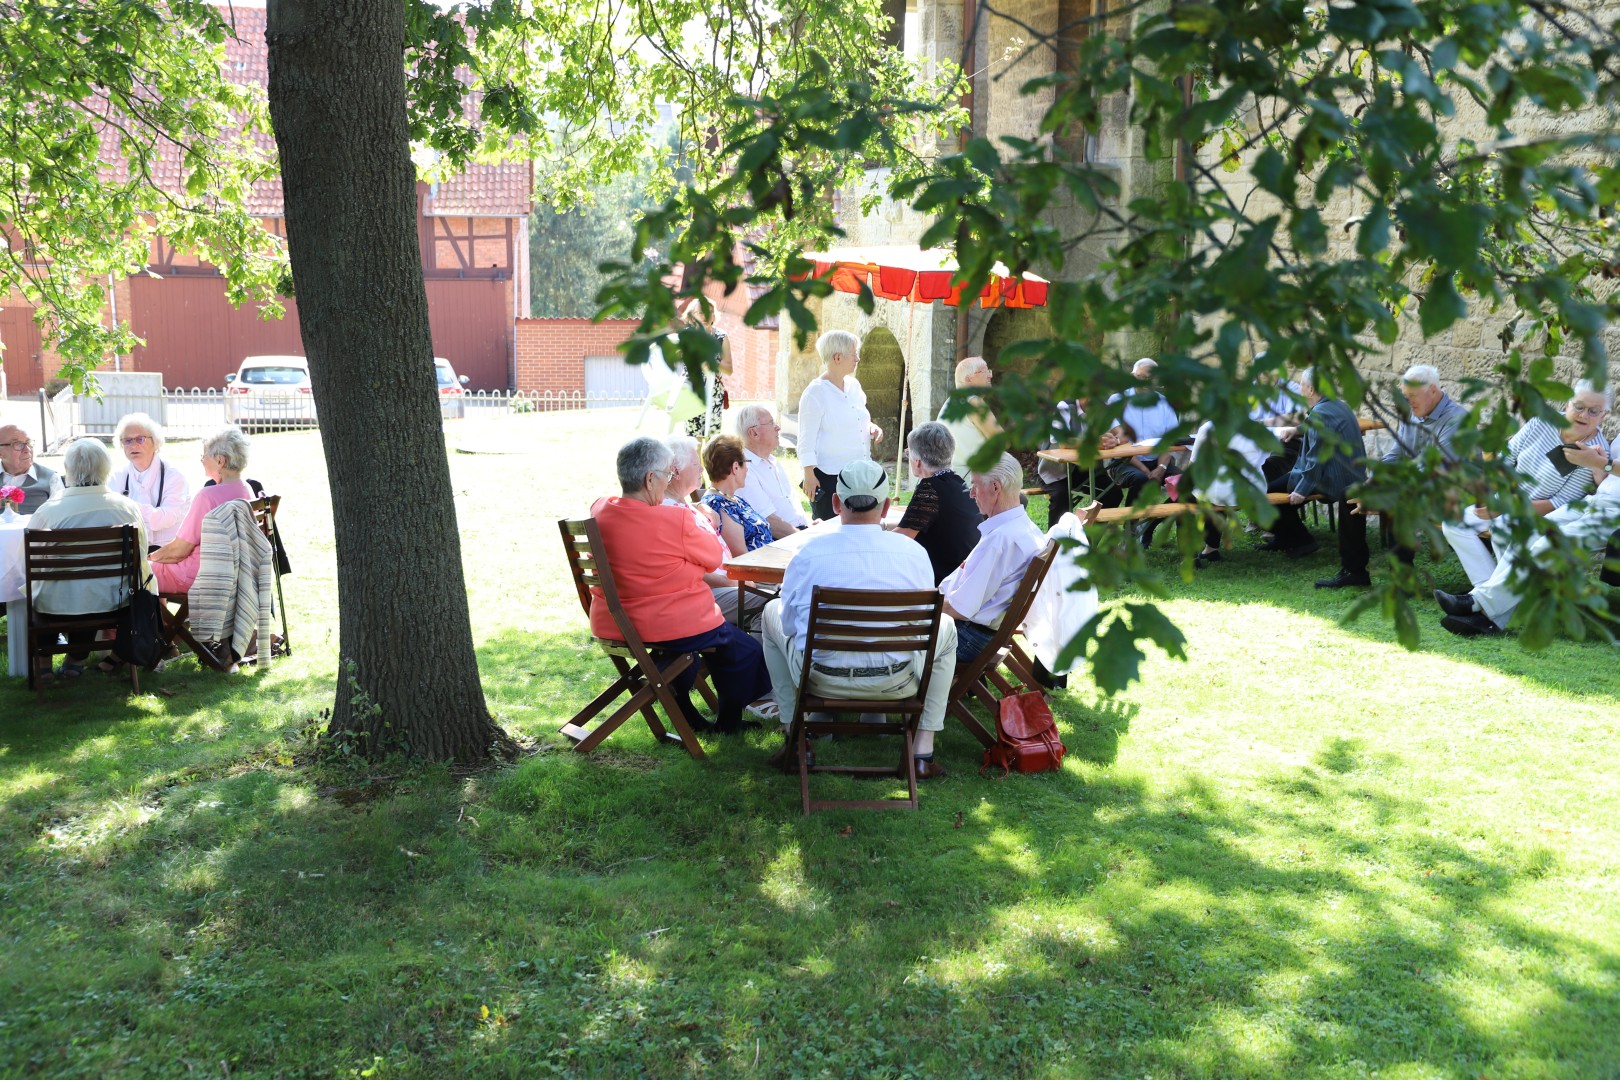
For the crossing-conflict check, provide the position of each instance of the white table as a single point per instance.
(11, 594)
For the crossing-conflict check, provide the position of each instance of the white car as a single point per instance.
(452, 390)
(270, 391)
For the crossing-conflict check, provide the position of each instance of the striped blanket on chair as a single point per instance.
(230, 600)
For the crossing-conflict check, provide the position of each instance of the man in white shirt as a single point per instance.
(857, 554)
(18, 469)
(978, 592)
(972, 430)
(767, 490)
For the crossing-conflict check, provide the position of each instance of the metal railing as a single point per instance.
(197, 412)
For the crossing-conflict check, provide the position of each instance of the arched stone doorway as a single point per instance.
(1007, 326)
(882, 365)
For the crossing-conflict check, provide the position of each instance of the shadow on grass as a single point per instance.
(636, 912)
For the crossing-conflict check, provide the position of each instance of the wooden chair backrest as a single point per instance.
(79, 554)
(873, 621)
(587, 558)
(1012, 618)
(264, 514)
(581, 563)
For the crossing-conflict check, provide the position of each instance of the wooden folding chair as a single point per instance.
(73, 555)
(981, 677)
(865, 621)
(178, 625)
(640, 675)
(264, 512)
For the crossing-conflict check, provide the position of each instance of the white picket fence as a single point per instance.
(194, 413)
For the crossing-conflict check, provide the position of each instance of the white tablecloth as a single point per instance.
(11, 594)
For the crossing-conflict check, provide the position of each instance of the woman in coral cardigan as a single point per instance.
(659, 555)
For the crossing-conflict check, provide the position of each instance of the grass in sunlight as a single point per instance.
(1304, 851)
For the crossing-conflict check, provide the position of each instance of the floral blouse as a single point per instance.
(756, 533)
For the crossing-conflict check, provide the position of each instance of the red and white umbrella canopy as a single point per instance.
(922, 275)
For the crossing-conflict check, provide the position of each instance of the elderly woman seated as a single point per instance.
(1550, 479)
(659, 557)
(224, 456)
(161, 491)
(941, 516)
(741, 526)
(86, 504)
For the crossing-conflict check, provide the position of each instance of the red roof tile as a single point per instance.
(488, 190)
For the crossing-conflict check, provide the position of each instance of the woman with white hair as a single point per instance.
(835, 426)
(86, 503)
(660, 556)
(1549, 478)
(941, 516)
(161, 491)
(224, 456)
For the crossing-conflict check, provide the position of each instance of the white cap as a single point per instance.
(863, 477)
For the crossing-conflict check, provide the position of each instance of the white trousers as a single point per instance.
(785, 662)
(1478, 560)
(1588, 528)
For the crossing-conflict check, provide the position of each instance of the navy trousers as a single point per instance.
(736, 665)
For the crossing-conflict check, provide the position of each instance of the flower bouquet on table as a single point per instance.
(10, 499)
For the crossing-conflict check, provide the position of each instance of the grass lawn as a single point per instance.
(1304, 851)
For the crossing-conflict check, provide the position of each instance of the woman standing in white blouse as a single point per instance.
(835, 427)
(160, 490)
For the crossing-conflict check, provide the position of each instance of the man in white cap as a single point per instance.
(858, 554)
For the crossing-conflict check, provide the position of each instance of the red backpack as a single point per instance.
(1026, 736)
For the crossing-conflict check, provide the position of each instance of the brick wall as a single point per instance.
(551, 352)
(753, 353)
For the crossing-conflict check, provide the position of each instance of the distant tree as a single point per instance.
(101, 99)
(570, 239)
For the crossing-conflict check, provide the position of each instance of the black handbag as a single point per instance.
(140, 639)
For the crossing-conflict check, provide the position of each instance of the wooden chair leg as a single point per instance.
(801, 750)
(958, 708)
(593, 738)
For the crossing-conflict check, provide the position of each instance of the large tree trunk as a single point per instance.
(409, 677)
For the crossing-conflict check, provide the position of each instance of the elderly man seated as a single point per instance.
(659, 556)
(768, 489)
(19, 469)
(858, 554)
(86, 504)
(1587, 523)
(969, 431)
(979, 591)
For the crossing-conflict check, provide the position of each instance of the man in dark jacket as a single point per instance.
(1330, 463)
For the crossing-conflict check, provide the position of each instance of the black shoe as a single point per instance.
(1343, 579)
(1273, 545)
(1204, 558)
(1309, 547)
(1458, 604)
(1048, 680)
(1476, 625)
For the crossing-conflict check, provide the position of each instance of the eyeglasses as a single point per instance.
(137, 440)
(1593, 411)
(24, 446)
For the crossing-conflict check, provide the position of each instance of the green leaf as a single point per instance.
(1442, 305)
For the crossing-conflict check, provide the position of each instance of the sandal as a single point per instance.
(110, 666)
(70, 670)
